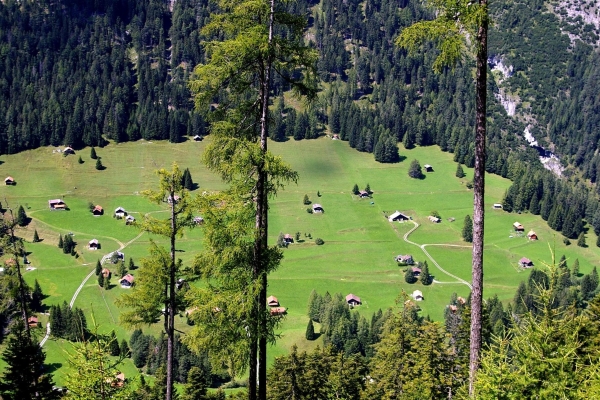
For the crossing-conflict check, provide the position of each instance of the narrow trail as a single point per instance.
(47, 335)
(422, 247)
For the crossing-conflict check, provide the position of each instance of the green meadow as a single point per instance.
(360, 243)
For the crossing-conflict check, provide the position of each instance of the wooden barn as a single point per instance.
(353, 300)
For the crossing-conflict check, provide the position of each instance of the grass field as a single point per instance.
(360, 243)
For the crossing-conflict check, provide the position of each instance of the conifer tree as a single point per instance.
(113, 344)
(99, 165)
(310, 330)
(24, 376)
(131, 264)
(306, 200)
(368, 188)
(188, 182)
(36, 297)
(60, 241)
(98, 267)
(281, 240)
(459, 171)
(355, 189)
(93, 154)
(80, 160)
(121, 270)
(101, 280)
(467, 231)
(581, 240)
(124, 349)
(314, 306)
(196, 385)
(425, 277)
(22, 219)
(575, 268)
(36, 237)
(409, 275)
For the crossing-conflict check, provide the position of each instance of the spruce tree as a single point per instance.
(425, 277)
(306, 200)
(575, 268)
(310, 330)
(459, 171)
(409, 276)
(355, 189)
(99, 165)
(24, 376)
(281, 240)
(113, 345)
(22, 219)
(581, 240)
(60, 241)
(196, 385)
(368, 188)
(121, 270)
(414, 171)
(467, 231)
(36, 297)
(36, 237)
(98, 267)
(124, 349)
(188, 183)
(101, 280)
(93, 154)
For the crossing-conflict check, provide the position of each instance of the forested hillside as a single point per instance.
(77, 73)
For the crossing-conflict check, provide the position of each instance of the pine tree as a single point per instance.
(581, 240)
(36, 237)
(124, 349)
(425, 277)
(467, 231)
(60, 241)
(459, 171)
(99, 165)
(98, 268)
(24, 376)
(196, 385)
(106, 281)
(575, 268)
(188, 183)
(93, 154)
(80, 160)
(368, 188)
(598, 241)
(36, 297)
(310, 330)
(281, 240)
(314, 306)
(409, 276)
(22, 219)
(355, 189)
(113, 344)
(131, 264)
(306, 200)
(101, 280)
(121, 270)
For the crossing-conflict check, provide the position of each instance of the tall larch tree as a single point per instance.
(239, 70)
(457, 21)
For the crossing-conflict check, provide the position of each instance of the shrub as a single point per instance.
(414, 171)
(319, 241)
(306, 200)
(309, 210)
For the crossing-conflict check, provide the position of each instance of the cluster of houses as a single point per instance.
(276, 309)
(531, 235)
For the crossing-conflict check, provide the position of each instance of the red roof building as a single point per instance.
(353, 300)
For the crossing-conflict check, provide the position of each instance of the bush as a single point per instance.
(309, 210)
(566, 241)
(306, 200)
(414, 171)
(319, 241)
(470, 185)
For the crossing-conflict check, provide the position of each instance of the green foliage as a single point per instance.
(36, 237)
(113, 344)
(467, 231)
(435, 214)
(121, 270)
(310, 331)
(98, 267)
(368, 189)
(414, 171)
(581, 240)
(24, 376)
(425, 277)
(99, 165)
(36, 297)
(281, 243)
(93, 154)
(131, 264)
(100, 280)
(355, 189)
(319, 241)
(409, 276)
(68, 323)
(196, 385)
(459, 171)
(314, 306)
(80, 160)
(309, 210)
(22, 219)
(124, 349)
(306, 200)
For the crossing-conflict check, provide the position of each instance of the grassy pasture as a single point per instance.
(360, 243)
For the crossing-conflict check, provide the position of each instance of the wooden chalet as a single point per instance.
(405, 259)
(118, 381)
(453, 308)
(335, 137)
(198, 220)
(434, 219)
(197, 138)
(98, 210)
(317, 208)
(417, 295)
(416, 271)
(525, 262)
(288, 238)
(32, 321)
(518, 227)
(9, 180)
(278, 311)
(129, 220)
(362, 194)
(68, 150)
(531, 235)
(120, 212)
(428, 168)
(398, 216)
(353, 300)
(272, 301)
(93, 244)
(126, 281)
(56, 204)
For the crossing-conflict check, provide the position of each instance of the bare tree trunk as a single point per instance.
(170, 309)
(478, 202)
(22, 293)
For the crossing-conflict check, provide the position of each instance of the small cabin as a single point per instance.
(353, 300)
(68, 150)
(362, 194)
(120, 212)
(317, 208)
(272, 301)
(98, 210)
(126, 281)
(398, 216)
(518, 227)
(287, 238)
(531, 235)
(428, 168)
(9, 180)
(525, 263)
(278, 311)
(405, 259)
(416, 271)
(57, 204)
(417, 295)
(497, 206)
(129, 220)
(197, 138)
(106, 272)
(32, 321)
(335, 137)
(434, 219)
(93, 244)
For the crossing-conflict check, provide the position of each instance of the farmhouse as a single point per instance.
(57, 204)
(272, 301)
(398, 216)
(287, 238)
(120, 212)
(278, 311)
(32, 321)
(317, 208)
(353, 300)
(417, 295)
(434, 219)
(518, 227)
(405, 259)
(68, 150)
(106, 272)
(497, 206)
(98, 210)
(198, 220)
(129, 220)
(335, 137)
(126, 281)
(198, 138)
(9, 180)
(428, 168)
(531, 235)
(362, 194)
(525, 263)
(416, 271)
(93, 244)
